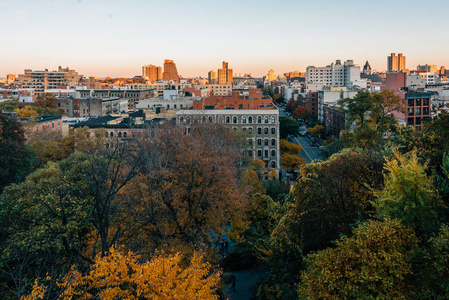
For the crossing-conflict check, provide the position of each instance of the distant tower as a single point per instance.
(152, 73)
(170, 71)
(396, 63)
(212, 76)
(225, 74)
(367, 68)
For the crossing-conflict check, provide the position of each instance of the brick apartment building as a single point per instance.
(254, 114)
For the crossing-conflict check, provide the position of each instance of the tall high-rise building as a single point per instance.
(225, 74)
(170, 71)
(396, 63)
(212, 76)
(152, 73)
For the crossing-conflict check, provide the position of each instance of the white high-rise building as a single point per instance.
(334, 74)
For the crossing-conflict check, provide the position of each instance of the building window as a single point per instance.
(273, 164)
(418, 121)
(411, 102)
(266, 153)
(265, 131)
(228, 120)
(426, 102)
(418, 111)
(425, 110)
(250, 153)
(112, 133)
(119, 134)
(125, 134)
(266, 142)
(273, 119)
(259, 153)
(410, 121)
(273, 153)
(259, 119)
(250, 142)
(259, 142)
(418, 102)
(259, 130)
(273, 142)
(250, 120)
(244, 120)
(234, 120)
(273, 130)
(410, 111)
(266, 119)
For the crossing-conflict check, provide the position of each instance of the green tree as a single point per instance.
(9, 105)
(45, 104)
(409, 194)
(372, 264)
(288, 126)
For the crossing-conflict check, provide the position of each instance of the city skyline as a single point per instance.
(106, 38)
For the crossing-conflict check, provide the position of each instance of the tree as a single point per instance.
(290, 148)
(12, 147)
(409, 194)
(291, 105)
(287, 126)
(278, 98)
(121, 276)
(317, 130)
(329, 197)
(291, 162)
(26, 112)
(301, 112)
(372, 264)
(9, 105)
(45, 104)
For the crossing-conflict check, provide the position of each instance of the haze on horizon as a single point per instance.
(113, 38)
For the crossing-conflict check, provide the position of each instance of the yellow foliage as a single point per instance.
(26, 112)
(292, 162)
(121, 276)
(287, 147)
(37, 292)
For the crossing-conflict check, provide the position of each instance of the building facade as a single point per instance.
(43, 80)
(170, 71)
(334, 74)
(257, 117)
(417, 108)
(225, 74)
(396, 63)
(152, 73)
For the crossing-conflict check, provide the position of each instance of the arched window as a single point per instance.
(273, 119)
(273, 153)
(259, 119)
(266, 119)
(244, 120)
(228, 120)
(106, 134)
(112, 133)
(181, 119)
(210, 119)
(188, 120)
(250, 120)
(234, 120)
(119, 134)
(250, 142)
(273, 164)
(220, 119)
(125, 134)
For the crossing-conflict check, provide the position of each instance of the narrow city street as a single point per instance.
(308, 152)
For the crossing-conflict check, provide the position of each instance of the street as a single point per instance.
(309, 153)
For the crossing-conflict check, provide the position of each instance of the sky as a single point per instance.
(116, 38)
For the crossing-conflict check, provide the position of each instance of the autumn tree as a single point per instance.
(317, 130)
(45, 104)
(291, 105)
(301, 112)
(190, 186)
(122, 276)
(290, 160)
(26, 112)
(375, 263)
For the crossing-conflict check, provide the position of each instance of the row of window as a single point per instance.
(417, 111)
(417, 102)
(265, 141)
(232, 120)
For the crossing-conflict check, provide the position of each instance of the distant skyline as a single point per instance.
(116, 38)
